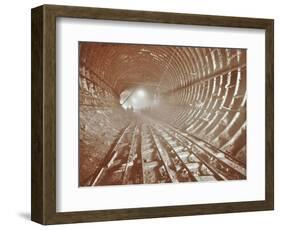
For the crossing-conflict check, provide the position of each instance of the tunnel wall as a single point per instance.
(101, 120)
(212, 105)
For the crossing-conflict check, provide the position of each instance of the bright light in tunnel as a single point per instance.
(141, 93)
(136, 99)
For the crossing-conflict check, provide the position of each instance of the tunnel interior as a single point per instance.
(160, 114)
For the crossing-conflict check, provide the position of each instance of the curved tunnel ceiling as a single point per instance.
(202, 91)
(125, 66)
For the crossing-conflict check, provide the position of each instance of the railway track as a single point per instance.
(148, 152)
(155, 168)
(206, 162)
(121, 162)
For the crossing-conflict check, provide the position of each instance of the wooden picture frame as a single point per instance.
(43, 207)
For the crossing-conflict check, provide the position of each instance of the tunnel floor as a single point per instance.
(148, 151)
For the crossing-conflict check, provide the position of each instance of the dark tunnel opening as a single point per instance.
(161, 114)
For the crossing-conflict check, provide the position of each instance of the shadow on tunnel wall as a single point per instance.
(161, 114)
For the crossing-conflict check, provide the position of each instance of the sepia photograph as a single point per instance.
(152, 114)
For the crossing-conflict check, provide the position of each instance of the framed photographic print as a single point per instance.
(140, 114)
